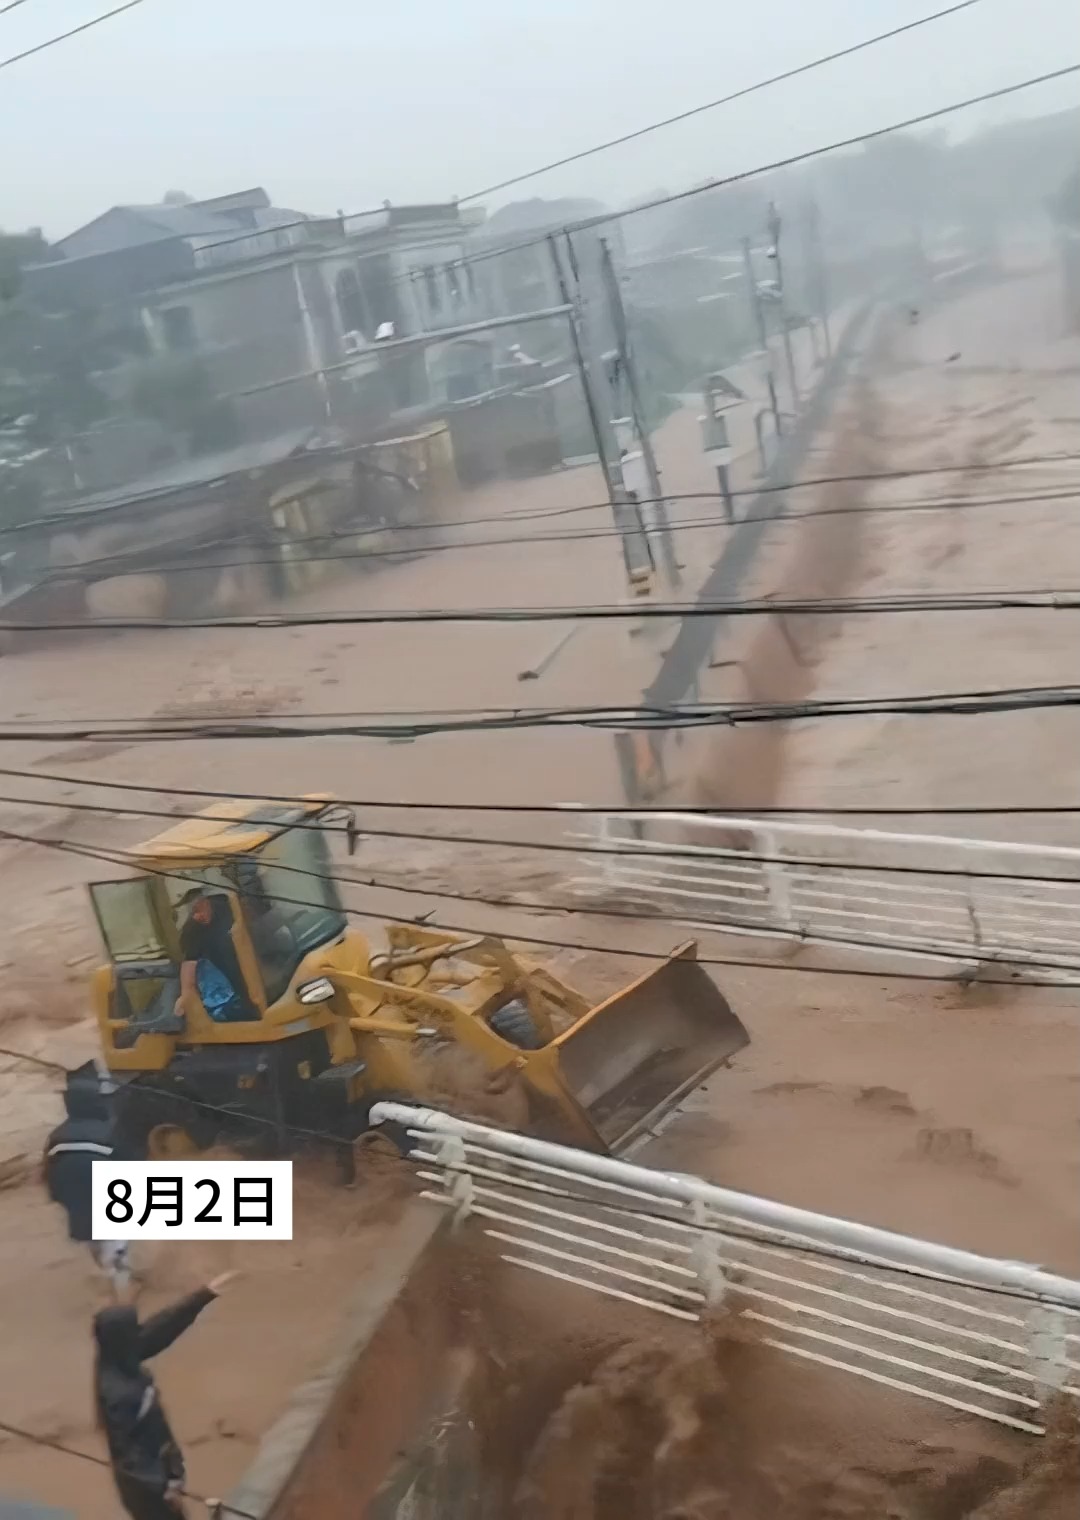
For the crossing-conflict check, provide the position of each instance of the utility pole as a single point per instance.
(789, 355)
(720, 397)
(724, 482)
(820, 276)
(657, 512)
(636, 548)
(754, 297)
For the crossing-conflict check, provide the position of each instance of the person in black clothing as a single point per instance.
(87, 1135)
(147, 1464)
(206, 936)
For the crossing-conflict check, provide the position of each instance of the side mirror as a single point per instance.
(347, 818)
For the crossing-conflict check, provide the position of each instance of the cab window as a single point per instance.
(128, 922)
(290, 906)
(145, 983)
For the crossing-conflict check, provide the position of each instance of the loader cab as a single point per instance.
(263, 873)
(288, 904)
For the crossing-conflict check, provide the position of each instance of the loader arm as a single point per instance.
(602, 1082)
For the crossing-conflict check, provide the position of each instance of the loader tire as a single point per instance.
(514, 1023)
(163, 1126)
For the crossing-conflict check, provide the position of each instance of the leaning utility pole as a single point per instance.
(636, 548)
(657, 512)
(789, 354)
(754, 297)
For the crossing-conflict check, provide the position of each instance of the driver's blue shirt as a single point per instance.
(216, 992)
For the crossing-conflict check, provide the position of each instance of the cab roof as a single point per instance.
(228, 828)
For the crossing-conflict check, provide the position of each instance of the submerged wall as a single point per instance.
(381, 1430)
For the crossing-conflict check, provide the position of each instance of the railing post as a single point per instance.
(457, 1179)
(776, 879)
(1048, 1349)
(705, 1258)
(606, 840)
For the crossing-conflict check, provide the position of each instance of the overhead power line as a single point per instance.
(1020, 461)
(709, 185)
(796, 158)
(834, 147)
(923, 503)
(50, 1443)
(804, 68)
(273, 716)
(711, 105)
(118, 725)
(63, 36)
(585, 223)
(1044, 600)
(628, 849)
(122, 858)
(413, 550)
(803, 1246)
(1010, 810)
(716, 184)
(300, 221)
(620, 719)
(571, 227)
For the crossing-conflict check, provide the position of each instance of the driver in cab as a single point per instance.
(209, 967)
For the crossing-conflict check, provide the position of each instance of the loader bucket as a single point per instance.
(632, 1059)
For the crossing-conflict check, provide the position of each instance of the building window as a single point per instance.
(351, 302)
(431, 287)
(178, 328)
(453, 281)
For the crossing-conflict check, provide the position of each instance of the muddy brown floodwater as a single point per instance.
(947, 1112)
(594, 1412)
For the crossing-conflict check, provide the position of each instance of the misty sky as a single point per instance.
(344, 103)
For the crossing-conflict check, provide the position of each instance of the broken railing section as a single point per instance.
(996, 1339)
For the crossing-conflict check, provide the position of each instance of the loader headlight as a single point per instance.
(321, 990)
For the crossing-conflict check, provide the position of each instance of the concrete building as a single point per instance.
(295, 320)
(128, 249)
(292, 333)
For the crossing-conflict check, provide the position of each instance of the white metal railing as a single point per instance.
(905, 894)
(995, 1339)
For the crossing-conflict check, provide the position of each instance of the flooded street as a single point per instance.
(945, 1111)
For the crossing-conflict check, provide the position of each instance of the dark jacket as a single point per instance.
(85, 1136)
(141, 1444)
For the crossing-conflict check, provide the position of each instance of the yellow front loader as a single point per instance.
(239, 1006)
